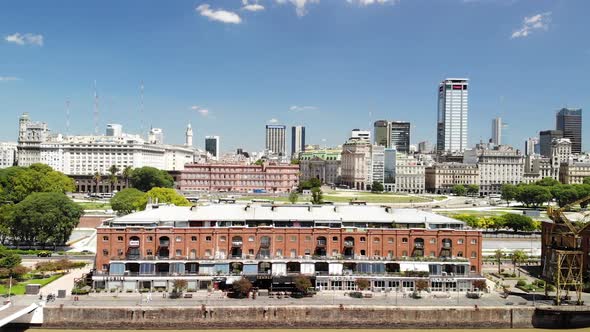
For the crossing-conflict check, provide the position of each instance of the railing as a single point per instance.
(166, 259)
(424, 274)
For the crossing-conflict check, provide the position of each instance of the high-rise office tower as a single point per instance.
(546, 137)
(297, 140)
(212, 146)
(156, 136)
(451, 128)
(531, 146)
(569, 121)
(497, 131)
(275, 139)
(114, 130)
(189, 136)
(393, 134)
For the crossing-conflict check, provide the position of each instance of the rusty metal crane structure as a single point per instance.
(563, 258)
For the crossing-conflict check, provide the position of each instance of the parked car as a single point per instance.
(44, 254)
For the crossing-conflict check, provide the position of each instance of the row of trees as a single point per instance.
(546, 190)
(461, 190)
(143, 179)
(516, 222)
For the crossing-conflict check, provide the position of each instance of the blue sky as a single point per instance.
(341, 63)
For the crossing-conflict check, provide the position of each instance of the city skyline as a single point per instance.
(367, 56)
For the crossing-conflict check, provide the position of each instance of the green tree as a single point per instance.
(302, 283)
(126, 175)
(583, 191)
(146, 178)
(96, 177)
(179, 285)
(113, 179)
(510, 192)
(587, 180)
(295, 161)
(564, 194)
(293, 197)
(518, 257)
(459, 190)
(469, 219)
(472, 190)
(316, 196)
(421, 284)
(47, 218)
(315, 183)
(18, 182)
(498, 256)
(163, 195)
(5, 222)
(127, 201)
(518, 222)
(547, 182)
(8, 259)
(377, 187)
(259, 162)
(534, 195)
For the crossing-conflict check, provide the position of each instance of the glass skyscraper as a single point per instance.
(451, 128)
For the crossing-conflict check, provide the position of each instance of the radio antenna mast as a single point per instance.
(95, 110)
(67, 117)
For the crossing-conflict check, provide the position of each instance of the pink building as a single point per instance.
(238, 178)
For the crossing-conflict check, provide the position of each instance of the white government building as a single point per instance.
(85, 155)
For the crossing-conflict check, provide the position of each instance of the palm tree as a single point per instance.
(498, 255)
(126, 175)
(113, 170)
(96, 177)
(518, 257)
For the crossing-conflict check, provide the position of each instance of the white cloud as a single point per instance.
(219, 15)
(252, 7)
(25, 39)
(296, 108)
(9, 78)
(299, 5)
(536, 22)
(371, 2)
(200, 110)
(273, 120)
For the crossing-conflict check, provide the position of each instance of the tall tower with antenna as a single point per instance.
(141, 117)
(95, 110)
(189, 136)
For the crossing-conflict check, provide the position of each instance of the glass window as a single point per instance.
(460, 241)
(293, 238)
(179, 239)
(178, 252)
(473, 241)
(222, 238)
(250, 238)
(389, 240)
(105, 238)
(363, 239)
(279, 238)
(120, 238)
(405, 240)
(105, 252)
(376, 240)
(473, 254)
(208, 238)
(334, 238)
(193, 238)
(150, 238)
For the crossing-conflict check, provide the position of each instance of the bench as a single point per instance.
(188, 295)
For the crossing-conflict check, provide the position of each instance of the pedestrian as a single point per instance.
(149, 297)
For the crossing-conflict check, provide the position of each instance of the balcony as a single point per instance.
(134, 243)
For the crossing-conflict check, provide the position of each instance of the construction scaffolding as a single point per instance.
(563, 258)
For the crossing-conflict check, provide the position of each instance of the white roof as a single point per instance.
(317, 213)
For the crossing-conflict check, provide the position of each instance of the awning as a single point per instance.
(413, 266)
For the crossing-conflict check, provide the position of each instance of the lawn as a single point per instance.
(19, 289)
(94, 205)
